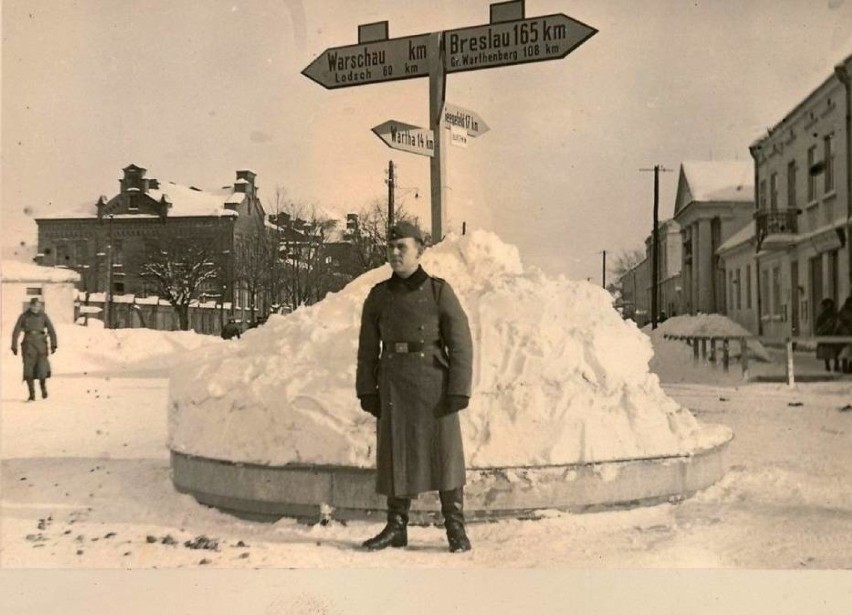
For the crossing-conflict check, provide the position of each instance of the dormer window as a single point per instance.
(133, 202)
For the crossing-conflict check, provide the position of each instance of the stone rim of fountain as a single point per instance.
(321, 492)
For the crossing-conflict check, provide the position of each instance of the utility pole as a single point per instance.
(390, 197)
(108, 295)
(655, 244)
(603, 270)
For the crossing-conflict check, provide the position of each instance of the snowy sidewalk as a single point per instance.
(85, 483)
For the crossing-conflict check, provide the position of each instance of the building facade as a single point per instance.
(803, 210)
(22, 282)
(110, 240)
(714, 201)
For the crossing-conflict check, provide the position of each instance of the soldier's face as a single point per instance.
(35, 307)
(404, 256)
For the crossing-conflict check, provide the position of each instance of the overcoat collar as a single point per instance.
(412, 282)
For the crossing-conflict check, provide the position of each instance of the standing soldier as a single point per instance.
(33, 322)
(415, 385)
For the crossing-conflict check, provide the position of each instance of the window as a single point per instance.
(811, 175)
(34, 291)
(117, 251)
(63, 255)
(739, 284)
(773, 192)
(762, 195)
(776, 291)
(730, 290)
(829, 162)
(748, 287)
(813, 219)
(764, 292)
(118, 287)
(133, 202)
(791, 184)
(827, 212)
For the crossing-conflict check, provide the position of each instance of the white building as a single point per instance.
(22, 281)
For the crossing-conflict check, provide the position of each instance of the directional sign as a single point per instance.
(388, 60)
(459, 117)
(458, 136)
(550, 37)
(406, 137)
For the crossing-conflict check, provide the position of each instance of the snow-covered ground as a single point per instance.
(85, 482)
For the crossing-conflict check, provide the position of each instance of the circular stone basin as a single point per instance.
(313, 491)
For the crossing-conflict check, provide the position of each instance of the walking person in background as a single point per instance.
(34, 350)
(826, 324)
(415, 366)
(844, 327)
(231, 329)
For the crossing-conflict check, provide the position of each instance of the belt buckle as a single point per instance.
(400, 347)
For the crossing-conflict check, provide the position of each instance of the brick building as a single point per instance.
(109, 240)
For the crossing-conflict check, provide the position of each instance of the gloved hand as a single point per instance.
(371, 404)
(452, 404)
(15, 350)
(52, 350)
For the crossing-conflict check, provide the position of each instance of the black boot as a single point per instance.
(31, 388)
(43, 384)
(452, 506)
(395, 533)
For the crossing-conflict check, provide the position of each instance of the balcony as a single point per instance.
(776, 229)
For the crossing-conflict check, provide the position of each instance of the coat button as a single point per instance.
(422, 354)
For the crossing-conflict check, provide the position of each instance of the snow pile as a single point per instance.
(707, 325)
(95, 349)
(559, 377)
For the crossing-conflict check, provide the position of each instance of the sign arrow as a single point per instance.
(388, 60)
(550, 37)
(465, 119)
(406, 137)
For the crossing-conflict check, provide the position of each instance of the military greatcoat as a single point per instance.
(34, 346)
(419, 446)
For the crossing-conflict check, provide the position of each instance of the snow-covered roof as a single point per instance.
(185, 202)
(236, 198)
(742, 236)
(15, 271)
(720, 180)
(190, 202)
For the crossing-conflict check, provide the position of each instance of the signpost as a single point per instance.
(508, 39)
(389, 60)
(469, 121)
(406, 137)
(551, 37)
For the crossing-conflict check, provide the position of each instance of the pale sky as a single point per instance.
(195, 90)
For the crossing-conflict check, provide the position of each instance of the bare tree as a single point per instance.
(626, 260)
(180, 268)
(252, 268)
(369, 238)
(303, 273)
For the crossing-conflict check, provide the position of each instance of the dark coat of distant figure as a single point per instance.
(231, 329)
(34, 349)
(826, 324)
(419, 444)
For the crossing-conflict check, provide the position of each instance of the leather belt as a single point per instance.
(405, 347)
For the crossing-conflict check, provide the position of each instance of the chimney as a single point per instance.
(134, 178)
(245, 182)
